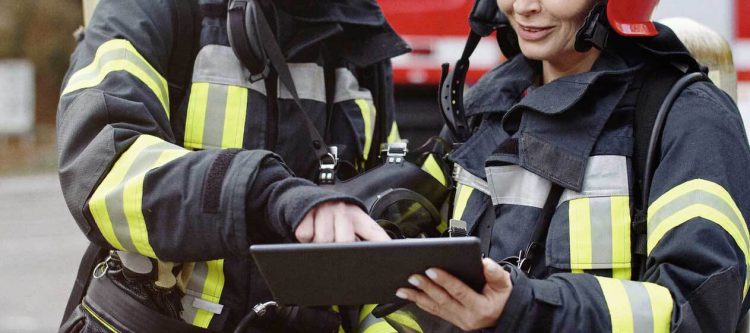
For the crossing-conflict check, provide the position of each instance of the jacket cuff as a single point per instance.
(302, 199)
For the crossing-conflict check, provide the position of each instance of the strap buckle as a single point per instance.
(395, 153)
(327, 170)
(457, 228)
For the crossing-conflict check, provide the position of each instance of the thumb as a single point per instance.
(497, 278)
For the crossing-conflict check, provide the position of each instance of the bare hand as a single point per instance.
(338, 222)
(447, 297)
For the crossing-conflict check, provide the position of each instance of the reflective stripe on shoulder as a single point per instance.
(116, 203)
(698, 198)
(461, 176)
(394, 135)
(599, 231)
(463, 193)
(120, 55)
(203, 292)
(637, 306)
(432, 167)
(368, 115)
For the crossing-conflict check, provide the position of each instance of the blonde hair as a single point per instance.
(710, 49)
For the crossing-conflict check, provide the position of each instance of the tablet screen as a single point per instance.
(361, 272)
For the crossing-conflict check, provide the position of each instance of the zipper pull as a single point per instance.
(102, 267)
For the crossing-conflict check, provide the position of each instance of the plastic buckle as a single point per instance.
(327, 171)
(395, 152)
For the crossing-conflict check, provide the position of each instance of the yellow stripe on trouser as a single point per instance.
(120, 55)
(368, 115)
(116, 203)
(212, 289)
(693, 199)
(599, 230)
(398, 321)
(638, 307)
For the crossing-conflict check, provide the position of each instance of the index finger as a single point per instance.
(366, 228)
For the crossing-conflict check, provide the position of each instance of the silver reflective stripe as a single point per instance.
(347, 87)
(115, 199)
(601, 232)
(514, 185)
(464, 177)
(606, 175)
(203, 304)
(640, 306)
(309, 79)
(216, 105)
(188, 311)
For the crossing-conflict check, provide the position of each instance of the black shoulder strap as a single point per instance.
(660, 88)
(184, 49)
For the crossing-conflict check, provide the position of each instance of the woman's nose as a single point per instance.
(527, 7)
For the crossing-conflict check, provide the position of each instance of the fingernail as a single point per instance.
(414, 281)
(492, 268)
(400, 294)
(431, 273)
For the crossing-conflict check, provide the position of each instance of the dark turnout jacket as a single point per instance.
(196, 184)
(577, 132)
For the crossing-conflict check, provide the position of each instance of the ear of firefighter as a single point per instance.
(710, 49)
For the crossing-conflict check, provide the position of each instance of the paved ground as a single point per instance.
(40, 246)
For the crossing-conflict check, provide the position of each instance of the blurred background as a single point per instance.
(41, 245)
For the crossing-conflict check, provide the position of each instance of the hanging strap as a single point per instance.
(451, 95)
(538, 238)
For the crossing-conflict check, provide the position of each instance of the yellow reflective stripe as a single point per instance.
(365, 311)
(432, 167)
(618, 304)
(368, 115)
(394, 136)
(98, 318)
(234, 118)
(380, 327)
(405, 321)
(698, 198)
(637, 306)
(577, 271)
(661, 306)
(212, 290)
(621, 273)
(579, 219)
(620, 206)
(196, 116)
(463, 193)
(120, 55)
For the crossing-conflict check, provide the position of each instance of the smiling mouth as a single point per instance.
(532, 33)
(533, 29)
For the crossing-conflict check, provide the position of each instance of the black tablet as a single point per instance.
(361, 272)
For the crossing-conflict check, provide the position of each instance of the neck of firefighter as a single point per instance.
(569, 63)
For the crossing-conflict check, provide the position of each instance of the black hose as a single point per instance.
(257, 311)
(661, 117)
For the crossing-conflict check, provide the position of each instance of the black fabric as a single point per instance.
(93, 255)
(212, 186)
(116, 307)
(184, 49)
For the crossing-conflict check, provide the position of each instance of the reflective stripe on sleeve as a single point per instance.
(120, 55)
(203, 292)
(600, 234)
(638, 307)
(698, 198)
(368, 115)
(116, 203)
(215, 116)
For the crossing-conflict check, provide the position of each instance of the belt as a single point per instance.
(114, 307)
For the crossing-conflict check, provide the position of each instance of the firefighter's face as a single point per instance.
(546, 28)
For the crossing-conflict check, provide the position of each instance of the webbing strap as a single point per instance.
(183, 50)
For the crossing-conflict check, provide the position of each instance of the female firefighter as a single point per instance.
(555, 148)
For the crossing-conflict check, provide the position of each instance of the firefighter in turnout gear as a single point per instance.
(177, 156)
(554, 148)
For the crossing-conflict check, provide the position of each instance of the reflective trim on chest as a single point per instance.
(590, 231)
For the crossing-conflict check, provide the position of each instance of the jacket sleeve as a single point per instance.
(126, 182)
(696, 272)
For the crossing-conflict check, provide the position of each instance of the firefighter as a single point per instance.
(554, 148)
(180, 187)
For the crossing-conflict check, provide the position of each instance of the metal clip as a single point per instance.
(102, 267)
(328, 164)
(395, 152)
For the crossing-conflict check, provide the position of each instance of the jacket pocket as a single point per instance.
(590, 231)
